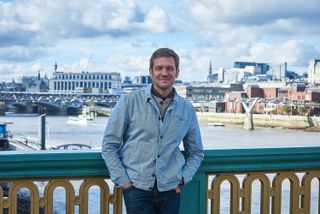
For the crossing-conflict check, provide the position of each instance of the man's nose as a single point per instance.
(164, 72)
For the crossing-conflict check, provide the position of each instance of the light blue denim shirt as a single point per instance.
(139, 146)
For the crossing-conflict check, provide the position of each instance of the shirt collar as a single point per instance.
(155, 93)
(148, 93)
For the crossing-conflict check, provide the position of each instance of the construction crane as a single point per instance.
(88, 63)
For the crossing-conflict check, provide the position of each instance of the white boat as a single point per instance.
(216, 124)
(80, 120)
(83, 119)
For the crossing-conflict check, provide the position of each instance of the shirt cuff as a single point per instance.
(186, 178)
(122, 181)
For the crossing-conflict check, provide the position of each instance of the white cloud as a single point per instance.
(41, 23)
(128, 65)
(268, 31)
(8, 72)
(21, 53)
(195, 63)
(289, 19)
(294, 52)
(72, 18)
(125, 65)
(75, 19)
(79, 66)
(122, 34)
(156, 20)
(251, 12)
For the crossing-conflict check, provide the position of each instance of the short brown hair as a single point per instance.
(164, 52)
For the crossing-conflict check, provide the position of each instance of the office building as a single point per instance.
(84, 82)
(314, 72)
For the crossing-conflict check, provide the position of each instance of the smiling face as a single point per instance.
(163, 73)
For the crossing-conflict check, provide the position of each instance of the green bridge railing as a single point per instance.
(239, 169)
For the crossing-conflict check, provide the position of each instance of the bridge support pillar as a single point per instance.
(248, 120)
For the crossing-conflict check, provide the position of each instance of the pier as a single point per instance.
(24, 144)
(239, 168)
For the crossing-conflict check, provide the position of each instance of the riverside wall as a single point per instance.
(260, 120)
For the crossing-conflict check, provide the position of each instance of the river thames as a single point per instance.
(58, 132)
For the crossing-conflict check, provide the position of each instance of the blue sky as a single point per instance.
(120, 35)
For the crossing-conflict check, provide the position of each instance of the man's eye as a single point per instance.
(158, 68)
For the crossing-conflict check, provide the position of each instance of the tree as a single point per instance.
(303, 110)
(286, 109)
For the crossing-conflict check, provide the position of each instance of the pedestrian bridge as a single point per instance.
(239, 181)
(69, 103)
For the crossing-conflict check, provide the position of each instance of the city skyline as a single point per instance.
(119, 36)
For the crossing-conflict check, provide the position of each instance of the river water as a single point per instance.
(58, 132)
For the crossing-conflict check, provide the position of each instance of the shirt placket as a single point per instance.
(160, 130)
(163, 124)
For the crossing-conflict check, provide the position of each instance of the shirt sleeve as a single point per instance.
(193, 149)
(112, 142)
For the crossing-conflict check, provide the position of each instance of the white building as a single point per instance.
(279, 72)
(314, 72)
(237, 75)
(143, 79)
(248, 73)
(84, 82)
(35, 83)
(221, 73)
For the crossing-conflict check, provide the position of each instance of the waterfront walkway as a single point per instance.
(263, 120)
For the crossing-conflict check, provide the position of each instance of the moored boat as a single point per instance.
(80, 120)
(216, 124)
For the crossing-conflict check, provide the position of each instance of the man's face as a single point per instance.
(163, 73)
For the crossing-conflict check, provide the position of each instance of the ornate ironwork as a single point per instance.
(271, 190)
(9, 198)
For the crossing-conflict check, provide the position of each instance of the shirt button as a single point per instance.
(153, 175)
(158, 156)
(159, 118)
(161, 137)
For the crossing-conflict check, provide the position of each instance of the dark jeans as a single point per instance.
(140, 201)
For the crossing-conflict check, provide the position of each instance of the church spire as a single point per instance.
(210, 68)
(55, 67)
(209, 77)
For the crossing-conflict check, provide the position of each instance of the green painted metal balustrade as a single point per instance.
(298, 165)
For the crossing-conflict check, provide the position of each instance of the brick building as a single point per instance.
(267, 93)
(234, 107)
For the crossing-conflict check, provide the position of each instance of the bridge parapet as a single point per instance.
(239, 168)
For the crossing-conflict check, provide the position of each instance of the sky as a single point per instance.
(120, 35)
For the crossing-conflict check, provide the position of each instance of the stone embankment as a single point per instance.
(259, 120)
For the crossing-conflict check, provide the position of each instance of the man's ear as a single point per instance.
(177, 73)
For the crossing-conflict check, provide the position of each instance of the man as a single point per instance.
(141, 141)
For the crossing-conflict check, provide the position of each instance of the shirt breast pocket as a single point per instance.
(178, 127)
